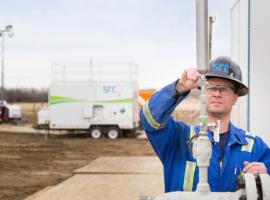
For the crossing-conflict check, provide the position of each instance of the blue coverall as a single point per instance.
(170, 140)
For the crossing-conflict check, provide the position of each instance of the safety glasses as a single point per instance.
(223, 89)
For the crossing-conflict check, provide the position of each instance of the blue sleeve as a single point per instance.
(262, 153)
(164, 133)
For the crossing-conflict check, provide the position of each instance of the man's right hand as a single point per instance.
(188, 80)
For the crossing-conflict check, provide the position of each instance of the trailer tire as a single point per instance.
(95, 132)
(114, 133)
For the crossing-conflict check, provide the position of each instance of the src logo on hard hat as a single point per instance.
(221, 67)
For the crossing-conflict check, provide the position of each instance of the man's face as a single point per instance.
(220, 97)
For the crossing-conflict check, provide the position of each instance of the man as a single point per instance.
(237, 152)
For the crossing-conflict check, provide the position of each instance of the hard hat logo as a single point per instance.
(221, 67)
(224, 67)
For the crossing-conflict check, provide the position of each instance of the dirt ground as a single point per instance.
(29, 163)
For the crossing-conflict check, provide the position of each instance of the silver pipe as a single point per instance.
(202, 148)
(202, 35)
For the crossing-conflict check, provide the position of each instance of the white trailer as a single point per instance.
(43, 118)
(93, 106)
(10, 113)
(105, 103)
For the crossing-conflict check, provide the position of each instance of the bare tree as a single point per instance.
(26, 95)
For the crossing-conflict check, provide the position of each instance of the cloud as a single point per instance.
(159, 36)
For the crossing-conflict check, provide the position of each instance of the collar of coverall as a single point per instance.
(236, 136)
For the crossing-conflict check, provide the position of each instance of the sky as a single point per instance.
(157, 35)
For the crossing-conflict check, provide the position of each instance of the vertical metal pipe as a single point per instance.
(2, 71)
(202, 147)
(248, 61)
(211, 22)
(202, 35)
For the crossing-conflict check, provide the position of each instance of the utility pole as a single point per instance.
(8, 30)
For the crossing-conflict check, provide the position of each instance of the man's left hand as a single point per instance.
(255, 168)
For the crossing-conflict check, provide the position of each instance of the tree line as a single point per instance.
(13, 95)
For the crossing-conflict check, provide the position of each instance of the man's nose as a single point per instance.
(217, 92)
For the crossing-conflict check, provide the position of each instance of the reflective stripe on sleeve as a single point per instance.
(249, 146)
(250, 134)
(151, 121)
(189, 176)
(191, 132)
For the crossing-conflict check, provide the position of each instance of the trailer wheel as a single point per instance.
(95, 132)
(113, 133)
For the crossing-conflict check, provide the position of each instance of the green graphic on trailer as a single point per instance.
(61, 99)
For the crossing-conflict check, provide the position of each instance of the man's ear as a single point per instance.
(235, 99)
